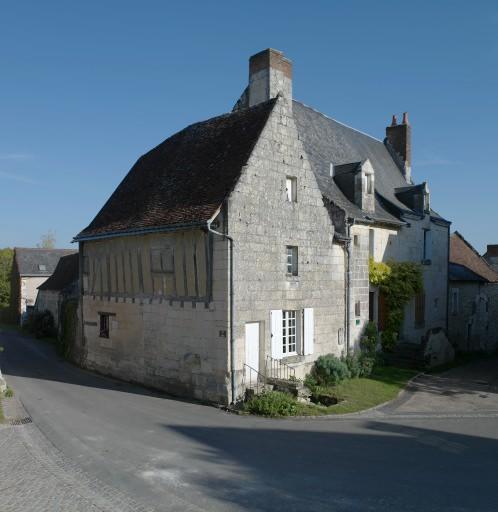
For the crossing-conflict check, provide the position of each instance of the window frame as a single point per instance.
(290, 339)
(105, 325)
(291, 194)
(292, 260)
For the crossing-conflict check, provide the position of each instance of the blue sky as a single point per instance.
(87, 87)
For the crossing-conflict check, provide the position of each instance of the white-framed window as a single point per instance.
(289, 333)
(292, 260)
(455, 296)
(370, 187)
(291, 189)
(427, 246)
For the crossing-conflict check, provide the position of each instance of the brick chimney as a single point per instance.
(399, 140)
(270, 74)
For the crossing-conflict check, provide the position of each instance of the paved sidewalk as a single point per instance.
(36, 477)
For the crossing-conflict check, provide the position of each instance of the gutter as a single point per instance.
(232, 338)
(141, 231)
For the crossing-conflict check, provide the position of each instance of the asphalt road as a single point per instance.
(434, 449)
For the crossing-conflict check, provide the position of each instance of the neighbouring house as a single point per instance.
(241, 243)
(473, 311)
(61, 286)
(30, 269)
(491, 256)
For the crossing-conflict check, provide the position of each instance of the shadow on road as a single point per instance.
(390, 467)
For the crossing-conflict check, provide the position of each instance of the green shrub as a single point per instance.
(41, 324)
(273, 404)
(329, 370)
(368, 341)
(366, 363)
(353, 364)
(8, 393)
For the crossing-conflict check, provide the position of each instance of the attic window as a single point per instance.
(291, 189)
(370, 188)
(42, 267)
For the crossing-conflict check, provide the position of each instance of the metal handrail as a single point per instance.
(259, 377)
(279, 369)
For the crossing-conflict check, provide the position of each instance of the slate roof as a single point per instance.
(327, 141)
(65, 274)
(38, 262)
(461, 273)
(185, 179)
(462, 253)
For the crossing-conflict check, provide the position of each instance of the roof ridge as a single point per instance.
(339, 122)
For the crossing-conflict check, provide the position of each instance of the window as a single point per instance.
(162, 260)
(427, 246)
(104, 325)
(291, 189)
(356, 240)
(371, 243)
(357, 308)
(292, 263)
(289, 333)
(419, 310)
(370, 188)
(43, 268)
(454, 301)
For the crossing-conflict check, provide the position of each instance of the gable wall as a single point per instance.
(167, 331)
(262, 224)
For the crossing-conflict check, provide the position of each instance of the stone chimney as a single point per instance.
(399, 140)
(270, 74)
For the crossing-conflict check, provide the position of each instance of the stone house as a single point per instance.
(30, 269)
(62, 285)
(491, 256)
(473, 308)
(242, 243)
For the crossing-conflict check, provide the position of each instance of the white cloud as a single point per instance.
(15, 156)
(17, 177)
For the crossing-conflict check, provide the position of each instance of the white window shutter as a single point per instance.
(309, 331)
(276, 333)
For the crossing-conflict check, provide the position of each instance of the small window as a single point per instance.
(420, 310)
(104, 325)
(357, 308)
(292, 263)
(289, 333)
(356, 240)
(454, 301)
(427, 246)
(43, 268)
(370, 188)
(371, 243)
(291, 189)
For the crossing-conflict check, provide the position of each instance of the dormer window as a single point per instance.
(291, 189)
(370, 187)
(43, 268)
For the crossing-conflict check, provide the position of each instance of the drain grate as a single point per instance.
(21, 421)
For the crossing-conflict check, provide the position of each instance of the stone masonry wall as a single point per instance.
(262, 223)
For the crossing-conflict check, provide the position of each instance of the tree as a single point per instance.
(47, 241)
(6, 259)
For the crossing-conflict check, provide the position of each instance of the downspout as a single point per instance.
(349, 279)
(232, 339)
(448, 283)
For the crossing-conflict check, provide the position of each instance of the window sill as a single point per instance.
(293, 358)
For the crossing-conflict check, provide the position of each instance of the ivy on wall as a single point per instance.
(399, 282)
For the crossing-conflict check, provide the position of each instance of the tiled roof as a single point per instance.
(38, 262)
(185, 179)
(66, 273)
(462, 253)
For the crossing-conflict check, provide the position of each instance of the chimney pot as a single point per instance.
(394, 121)
(405, 118)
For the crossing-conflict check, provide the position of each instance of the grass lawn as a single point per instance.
(353, 394)
(359, 394)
